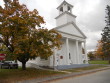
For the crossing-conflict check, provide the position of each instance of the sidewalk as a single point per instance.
(41, 80)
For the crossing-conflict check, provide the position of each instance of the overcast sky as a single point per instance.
(90, 15)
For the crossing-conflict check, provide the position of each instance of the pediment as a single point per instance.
(71, 28)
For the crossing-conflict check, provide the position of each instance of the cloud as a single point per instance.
(90, 15)
(92, 39)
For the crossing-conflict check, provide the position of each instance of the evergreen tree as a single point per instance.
(106, 35)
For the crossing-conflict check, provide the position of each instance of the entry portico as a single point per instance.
(71, 50)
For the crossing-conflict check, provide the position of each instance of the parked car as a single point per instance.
(9, 65)
(0, 64)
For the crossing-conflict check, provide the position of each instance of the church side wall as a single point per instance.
(37, 62)
(44, 62)
(30, 63)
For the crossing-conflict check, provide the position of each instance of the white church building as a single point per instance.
(73, 40)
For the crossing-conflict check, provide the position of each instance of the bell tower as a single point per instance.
(65, 14)
(65, 7)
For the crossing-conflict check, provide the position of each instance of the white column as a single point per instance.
(55, 64)
(77, 52)
(54, 58)
(86, 61)
(81, 54)
(67, 50)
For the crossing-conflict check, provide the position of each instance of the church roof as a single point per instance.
(64, 3)
(75, 26)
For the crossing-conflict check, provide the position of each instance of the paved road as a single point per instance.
(98, 77)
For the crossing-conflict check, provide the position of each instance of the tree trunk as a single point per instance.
(23, 65)
(23, 60)
(109, 62)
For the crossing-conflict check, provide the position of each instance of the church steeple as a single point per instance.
(65, 14)
(65, 6)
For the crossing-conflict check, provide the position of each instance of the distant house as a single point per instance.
(72, 37)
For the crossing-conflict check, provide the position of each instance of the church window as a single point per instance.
(61, 9)
(69, 56)
(69, 8)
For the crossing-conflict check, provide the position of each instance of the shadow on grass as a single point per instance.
(13, 75)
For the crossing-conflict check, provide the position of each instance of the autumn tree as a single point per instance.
(106, 34)
(19, 33)
(91, 55)
(99, 52)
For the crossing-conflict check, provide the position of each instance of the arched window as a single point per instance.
(61, 9)
(69, 56)
(69, 8)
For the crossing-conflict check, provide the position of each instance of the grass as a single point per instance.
(99, 62)
(14, 75)
(86, 68)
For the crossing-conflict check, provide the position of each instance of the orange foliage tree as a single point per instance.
(19, 34)
(99, 52)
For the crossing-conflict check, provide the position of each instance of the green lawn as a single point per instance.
(13, 75)
(98, 62)
(86, 68)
